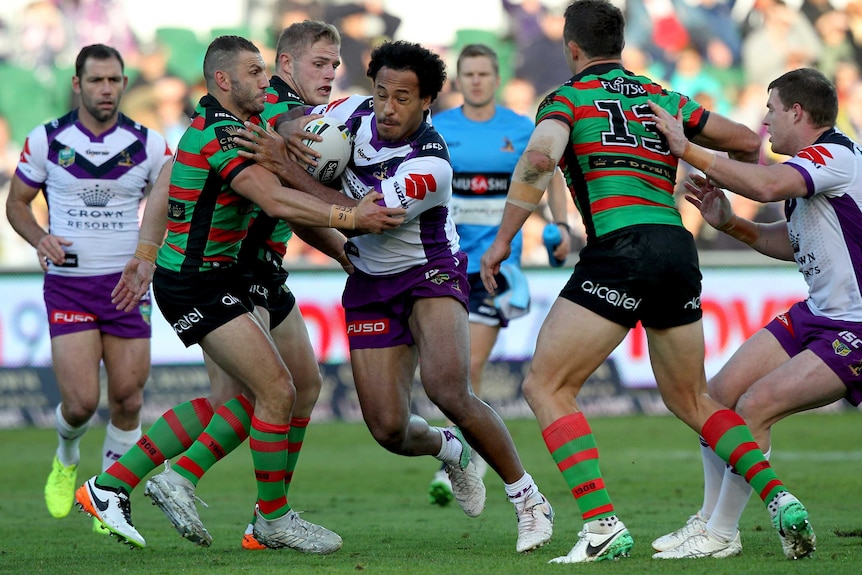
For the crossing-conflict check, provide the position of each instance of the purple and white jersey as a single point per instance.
(825, 226)
(93, 186)
(414, 173)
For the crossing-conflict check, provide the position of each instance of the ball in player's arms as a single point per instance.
(335, 148)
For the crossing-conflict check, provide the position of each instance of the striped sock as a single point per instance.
(573, 446)
(228, 428)
(730, 438)
(268, 442)
(295, 437)
(169, 436)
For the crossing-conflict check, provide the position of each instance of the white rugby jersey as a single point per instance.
(825, 227)
(414, 173)
(93, 186)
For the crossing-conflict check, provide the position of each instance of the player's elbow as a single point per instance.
(539, 161)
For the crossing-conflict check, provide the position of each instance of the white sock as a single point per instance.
(713, 474)
(117, 442)
(520, 490)
(450, 447)
(69, 439)
(735, 492)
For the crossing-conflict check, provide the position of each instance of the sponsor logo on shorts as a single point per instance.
(611, 296)
(847, 340)
(230, 299)
(368, 327)
(693, 304)
(188, 321)
(65, 317)
(258, 289)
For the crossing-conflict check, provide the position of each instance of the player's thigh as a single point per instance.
(676, 355)
(245, 351)
(76, 358)
(127, 363)
(440, 328)
(383, 378)
(801, 383)
(755, 358)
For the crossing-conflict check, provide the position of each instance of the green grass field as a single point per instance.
(377, 502)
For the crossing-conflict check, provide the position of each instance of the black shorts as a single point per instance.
(481, 303)
(197, 303)
(267, 289)
(646, 273)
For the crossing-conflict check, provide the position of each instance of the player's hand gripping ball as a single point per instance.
(335, 149)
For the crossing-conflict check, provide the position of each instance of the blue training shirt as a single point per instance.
(483, 156)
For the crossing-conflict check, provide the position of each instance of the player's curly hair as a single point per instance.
(428, 67)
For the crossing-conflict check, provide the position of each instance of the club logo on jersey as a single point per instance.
(508, 146)
(125, 160)
(225, 135)
(96, 197)
(816, 154)
(176, 210)
(381, 173)
(66, 157)
(418, 185)
(856, 368)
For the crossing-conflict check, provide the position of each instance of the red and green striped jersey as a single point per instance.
(268, 236)
(207, 220)
(618, 167)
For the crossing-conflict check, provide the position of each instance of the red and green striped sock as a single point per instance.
(268, 442)
(169, 436)
(726, 432)
(573, 446)
(295, 437)
(227, 430)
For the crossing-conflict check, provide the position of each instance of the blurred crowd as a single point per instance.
(720, 52)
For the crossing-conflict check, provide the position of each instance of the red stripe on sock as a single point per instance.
(151, 450)
(190, 466)
(288, 477)
(294, 447)
(236, 424)
(268, 446)
(578, 457)
(177, 428)
(270, 506)
(741, 450)
(589, 487)
(718, 424)
(299, 421)
(604, 509)
(769, 487)
(122, 473)
(755, 469)
(565, 429)
(203, 409)
(276, 476)
(269, 427)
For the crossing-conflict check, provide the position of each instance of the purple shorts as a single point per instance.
(377, 308)
(82, 303)
(837, 343)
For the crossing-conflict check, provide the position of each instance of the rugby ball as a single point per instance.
(335, 149)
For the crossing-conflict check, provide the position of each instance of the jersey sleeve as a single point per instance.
(33, 163)
(826, 168)
(340, 109)
(158, 152)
